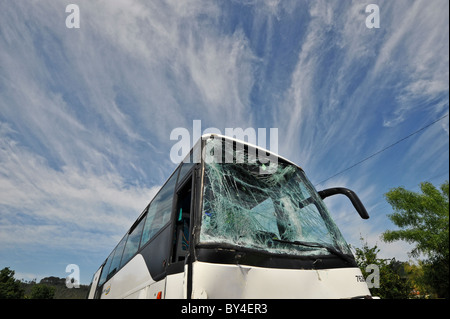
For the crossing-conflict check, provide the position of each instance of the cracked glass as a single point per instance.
(275, 212)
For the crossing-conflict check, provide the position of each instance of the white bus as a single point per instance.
(233, 221)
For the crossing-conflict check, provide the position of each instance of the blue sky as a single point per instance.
(86, 114)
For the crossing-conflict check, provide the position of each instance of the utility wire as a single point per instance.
(384, 149)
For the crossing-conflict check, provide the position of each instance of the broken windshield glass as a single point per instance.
(245, 208)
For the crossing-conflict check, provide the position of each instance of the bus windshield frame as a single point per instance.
(253, 200)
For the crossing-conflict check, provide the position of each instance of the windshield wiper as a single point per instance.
(331, 250)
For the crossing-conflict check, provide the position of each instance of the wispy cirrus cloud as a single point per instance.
(86, 114)
(128, 76)
(415, 55)
(41, 206)
(348, 78)
(353, 90)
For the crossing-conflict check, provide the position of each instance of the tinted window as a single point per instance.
(160, 209)
(184, 170)
(132, 244)
(117, 257)
(105, 270)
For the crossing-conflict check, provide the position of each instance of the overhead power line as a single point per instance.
(384, 149)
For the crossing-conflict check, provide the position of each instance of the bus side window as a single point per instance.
(160, 210)
(132, 244)
(104, 275)
(115, 263)
(181, 236)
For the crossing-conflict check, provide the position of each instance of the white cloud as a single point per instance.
(86, 114)
(414, 57)
(342, 73)
(350, 79)
(132, 72)
(62, 209)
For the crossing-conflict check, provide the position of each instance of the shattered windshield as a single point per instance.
(279, 212)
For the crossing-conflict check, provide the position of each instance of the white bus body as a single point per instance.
(233, 221)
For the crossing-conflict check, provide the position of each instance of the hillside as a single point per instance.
(59, 287)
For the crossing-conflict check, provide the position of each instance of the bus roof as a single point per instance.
(205, 136)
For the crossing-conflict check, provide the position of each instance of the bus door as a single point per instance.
(176, 279)
(93, 291)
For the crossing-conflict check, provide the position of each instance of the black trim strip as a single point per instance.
(251, 257)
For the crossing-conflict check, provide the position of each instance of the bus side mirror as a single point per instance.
(351, 195)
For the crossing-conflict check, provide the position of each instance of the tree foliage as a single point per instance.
(423, 220)
(41, 291)
(10, 288)
(393, 280)
(47, 288)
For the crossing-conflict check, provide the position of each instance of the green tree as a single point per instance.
(41, 291)
(421, 289)
(10, 288)
(423, 219)
(393, 281)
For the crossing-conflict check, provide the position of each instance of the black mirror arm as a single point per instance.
(351, 195)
